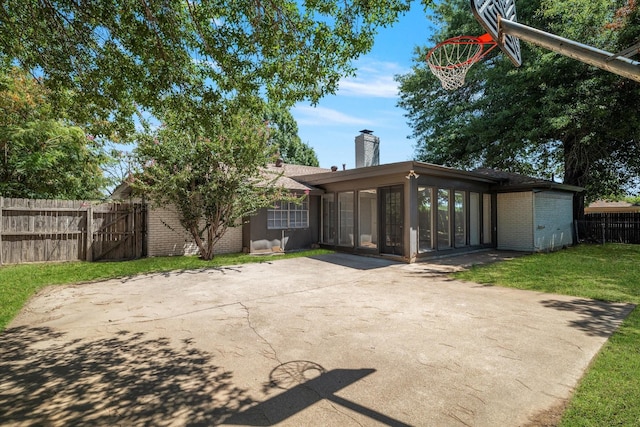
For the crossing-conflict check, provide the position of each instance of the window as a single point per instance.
(345, 218)
(285, 215)
(368, 218)
(460, 220)
(444, 221)
(486, 218)
(474, 218)
(425, 212)
(328, 218)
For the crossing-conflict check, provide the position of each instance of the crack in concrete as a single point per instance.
(332, 404)
(186, 313)
(263, 339)
(335, 408)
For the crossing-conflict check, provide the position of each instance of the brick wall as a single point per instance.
(553, 220)
(515, 221)
(166, 237)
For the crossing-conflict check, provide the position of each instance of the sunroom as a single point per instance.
(409, 210)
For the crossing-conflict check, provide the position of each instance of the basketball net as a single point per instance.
(451, 59)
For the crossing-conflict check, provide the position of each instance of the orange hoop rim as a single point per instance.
(481, 41)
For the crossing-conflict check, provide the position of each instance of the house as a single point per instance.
(413, 210)
(605, 206)
(165, 236)
(406, 210)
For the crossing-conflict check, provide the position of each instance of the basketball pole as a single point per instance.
(614, 63)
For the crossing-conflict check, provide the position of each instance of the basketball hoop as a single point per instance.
(451, 59)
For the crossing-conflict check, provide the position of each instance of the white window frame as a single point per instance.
(284, 215)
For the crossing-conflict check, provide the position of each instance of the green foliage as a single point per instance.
(41, 157)
(552, 117)
(19, 282)
(118, 56)
(285, 139)
(211, 173)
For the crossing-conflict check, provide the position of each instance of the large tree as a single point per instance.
(42, 156)
(202, 68)
(552, 117)
(120, 56)
(285, 139)
(212, 174)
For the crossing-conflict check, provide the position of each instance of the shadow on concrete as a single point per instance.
(469, 259)
(305, 393)
(184, 272)
(443, 266)
(358, 262)
(129, 379)
(598, 318)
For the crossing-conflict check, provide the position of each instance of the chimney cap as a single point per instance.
(366, 131)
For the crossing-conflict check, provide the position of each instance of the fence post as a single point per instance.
(89, 222)
(604, 227)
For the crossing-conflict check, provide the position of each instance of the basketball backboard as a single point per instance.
(488, 13)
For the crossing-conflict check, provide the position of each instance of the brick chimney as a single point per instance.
(367, 149)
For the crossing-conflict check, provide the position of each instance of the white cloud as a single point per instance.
(321, 116)
(374, 79)
(379, 87)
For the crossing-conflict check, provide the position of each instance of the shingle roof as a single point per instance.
(296, 170)
(289, 172)
(510, 177)
(511, 180)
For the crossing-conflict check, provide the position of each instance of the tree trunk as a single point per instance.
(575, 173)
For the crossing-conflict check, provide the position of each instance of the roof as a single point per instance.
(511, 181)
(603, 206)
(289, 172)
(124, 191)
(390, 169)
(300, 178)
(503, 181)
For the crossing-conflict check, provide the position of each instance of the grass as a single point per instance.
(19, 282)
(609, 393)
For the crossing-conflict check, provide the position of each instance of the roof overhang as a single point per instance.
(393, 169)
(539, 186)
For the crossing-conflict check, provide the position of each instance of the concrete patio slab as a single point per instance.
(332, 340)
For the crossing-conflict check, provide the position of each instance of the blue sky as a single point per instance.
(368, 100)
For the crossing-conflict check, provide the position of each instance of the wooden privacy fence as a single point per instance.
(68, 230)
(610, 227)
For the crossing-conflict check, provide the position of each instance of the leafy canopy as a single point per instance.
(211, 174)
(119, 56)
(553, 117)
(40, 156)
(285, 140)
(206, 70)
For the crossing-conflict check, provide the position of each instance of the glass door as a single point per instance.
(392, 218)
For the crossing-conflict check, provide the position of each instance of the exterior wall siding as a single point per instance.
(515, 221)
(257, 238)
(553, 220)
(166, 237)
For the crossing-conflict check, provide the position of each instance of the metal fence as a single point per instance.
(610, 227)
(34, 230)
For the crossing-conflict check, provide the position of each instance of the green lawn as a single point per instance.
(19, 282)
(609, 393)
